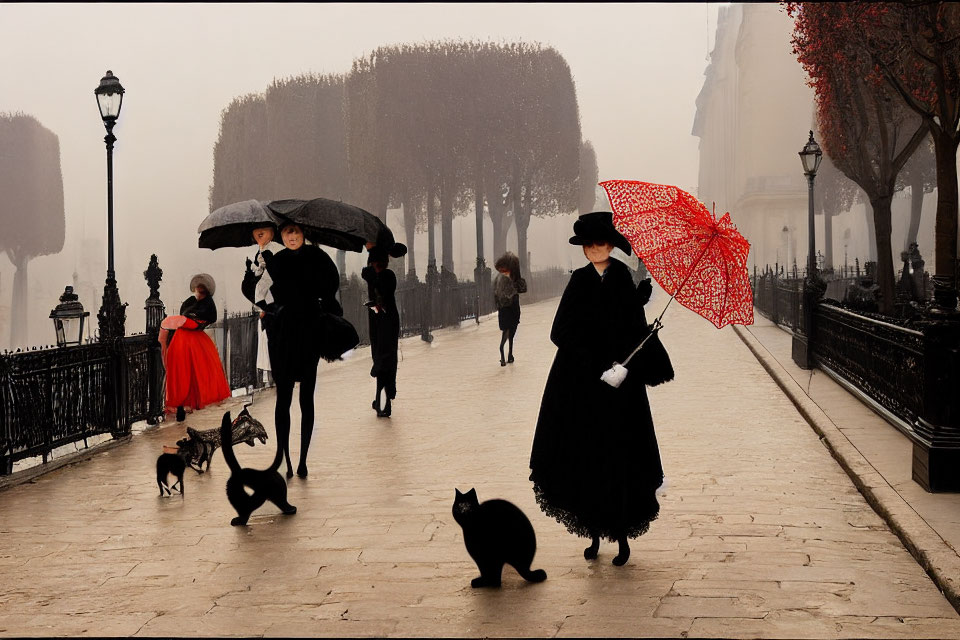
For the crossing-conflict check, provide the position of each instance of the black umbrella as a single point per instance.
(232, 225)
(331, 223)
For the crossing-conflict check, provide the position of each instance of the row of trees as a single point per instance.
(886, 78)
(438, 129)
(32, 186)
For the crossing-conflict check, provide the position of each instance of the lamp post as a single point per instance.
(112, 315)
(810, 156)
(68, 318)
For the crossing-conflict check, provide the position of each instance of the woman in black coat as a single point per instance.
(305, 284)
(595, 464)
(384, 317)
(506, 297)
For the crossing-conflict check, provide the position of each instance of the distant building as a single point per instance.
(753, 115)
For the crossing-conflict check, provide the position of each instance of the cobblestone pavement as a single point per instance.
(761, 534)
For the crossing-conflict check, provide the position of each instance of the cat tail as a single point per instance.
(536, 575)
(226, 443)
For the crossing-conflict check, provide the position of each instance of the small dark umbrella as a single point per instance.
(232, 225)
(330, 222)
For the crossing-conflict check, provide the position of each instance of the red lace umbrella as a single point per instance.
(697, 259)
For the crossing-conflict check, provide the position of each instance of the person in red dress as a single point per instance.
(195, 375)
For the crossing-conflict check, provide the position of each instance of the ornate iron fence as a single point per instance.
(883, 360)
(57, 396)
(778, 298)
(907, 369)
(53, 397)
(424, 306)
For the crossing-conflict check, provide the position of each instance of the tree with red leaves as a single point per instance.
(914, 47)
(867, 131)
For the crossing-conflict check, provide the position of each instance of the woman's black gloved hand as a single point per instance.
(644, 290)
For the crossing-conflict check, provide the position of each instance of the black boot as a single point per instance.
(624, 554)
(590, 553)
(181, 414)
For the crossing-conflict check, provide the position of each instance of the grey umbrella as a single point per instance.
(232, 225)
(332, 223)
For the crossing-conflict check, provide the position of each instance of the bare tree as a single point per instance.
(834, 194)
(920, 174)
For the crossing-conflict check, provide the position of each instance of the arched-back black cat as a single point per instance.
(496, 533)
(170, 464)
(264, 484)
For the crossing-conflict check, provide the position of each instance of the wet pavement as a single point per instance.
(761, 533)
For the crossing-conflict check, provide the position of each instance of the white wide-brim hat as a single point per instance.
(206, 280)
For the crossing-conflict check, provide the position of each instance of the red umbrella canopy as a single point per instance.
(699, 260)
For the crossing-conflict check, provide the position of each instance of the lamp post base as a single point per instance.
(112, 315)
(936, 469)
(802, 355)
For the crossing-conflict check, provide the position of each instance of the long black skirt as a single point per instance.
(595, 462)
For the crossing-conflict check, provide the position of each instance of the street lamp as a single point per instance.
(111, 316)
(810, 156)
(68, 318)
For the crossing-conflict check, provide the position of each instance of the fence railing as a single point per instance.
(54, 397)
(907, 369)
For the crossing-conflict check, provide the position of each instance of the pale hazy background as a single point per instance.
(638, 69)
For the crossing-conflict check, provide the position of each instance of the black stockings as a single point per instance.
(508, 335)
(282, 420)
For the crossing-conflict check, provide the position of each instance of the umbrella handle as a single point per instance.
(656, 327)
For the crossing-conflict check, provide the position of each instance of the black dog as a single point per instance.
(170, 464)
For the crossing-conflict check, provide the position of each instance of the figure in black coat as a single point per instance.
(384, 317)
(506, 296)
(305, 283)
(595, 464)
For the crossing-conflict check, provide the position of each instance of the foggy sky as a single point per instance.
(637, 68)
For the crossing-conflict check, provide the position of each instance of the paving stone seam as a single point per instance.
(929, 550)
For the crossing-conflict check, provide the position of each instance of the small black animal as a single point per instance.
(496, 533)
(170, 464)
(266, 484)
(200, 445)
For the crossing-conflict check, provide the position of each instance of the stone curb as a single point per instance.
(931, 552)
(29, 474)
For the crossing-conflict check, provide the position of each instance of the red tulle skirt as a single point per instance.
(195, 375)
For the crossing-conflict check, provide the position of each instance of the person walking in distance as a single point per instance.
(384, 318)
(507, 288)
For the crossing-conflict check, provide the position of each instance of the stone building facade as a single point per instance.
(753, 115)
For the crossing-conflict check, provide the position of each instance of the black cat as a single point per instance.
(496, 533)
(264, 484)
(170, 464)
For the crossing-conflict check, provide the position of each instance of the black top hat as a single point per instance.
(598, 227)
(386, 247)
